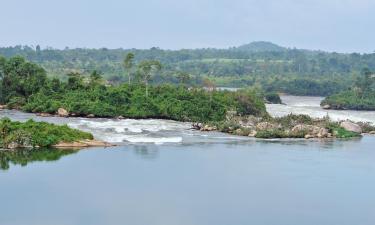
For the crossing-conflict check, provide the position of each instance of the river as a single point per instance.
(165, 173)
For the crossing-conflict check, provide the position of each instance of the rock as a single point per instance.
(253, 133)
(91, 116)
(266, 126)
(312, 130)
(62, 112)
(120, 117)
(372, 132)
(350, 126)
(73, 114)
(323, 133)
(75, 144)
(82, 144)
(197, 126)
(13, 145)
(3, 107)
(96, 143)
(44, 114)
(208, 128)
(326, 106)
(329, 135)
(308, 136)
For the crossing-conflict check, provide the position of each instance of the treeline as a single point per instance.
(257, 64)
(25, 86)
(361, 96)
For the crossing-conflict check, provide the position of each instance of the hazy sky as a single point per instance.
(334, 25)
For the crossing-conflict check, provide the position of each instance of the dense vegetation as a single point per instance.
(361, 96)
(259, 64)
(36, 134)
(93, 96)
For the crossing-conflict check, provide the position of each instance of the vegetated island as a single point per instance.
(31, 134)
(361, 96)
(25, 86)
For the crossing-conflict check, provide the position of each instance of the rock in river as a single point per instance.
(62, 112)
(350, 126)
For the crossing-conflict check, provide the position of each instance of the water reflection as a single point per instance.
(147, 151)
(23, 157)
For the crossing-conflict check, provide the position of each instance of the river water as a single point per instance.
(165, 173)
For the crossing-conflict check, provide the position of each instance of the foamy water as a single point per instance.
(131, 131)
(311, 106)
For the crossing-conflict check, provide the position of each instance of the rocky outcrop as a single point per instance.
(62, 112)
(350, 126)
(82, 144)
(311, 131)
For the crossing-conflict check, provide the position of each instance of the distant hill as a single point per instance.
(261, 46)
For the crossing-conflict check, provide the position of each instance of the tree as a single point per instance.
(128, 64)
(146, 69)
(75, 81)
(20, 78)
(183, 77)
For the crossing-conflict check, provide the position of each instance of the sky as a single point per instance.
(329, 25)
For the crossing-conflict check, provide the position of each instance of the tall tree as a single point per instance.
(146, 69)
(128, 64)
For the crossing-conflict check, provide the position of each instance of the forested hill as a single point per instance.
(260, 64)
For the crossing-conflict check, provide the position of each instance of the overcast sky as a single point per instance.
(332, 25)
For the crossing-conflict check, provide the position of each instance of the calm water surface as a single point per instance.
(166, 174)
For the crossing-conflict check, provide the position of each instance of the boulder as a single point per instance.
(197, 126)
(3, 107)
(253, 133)
(326, 106)
(120, 117)
(62, 112)
(91, 116)
(208, 128)
(350, 126)
(323, 133)
(308, 136)
(372, 132)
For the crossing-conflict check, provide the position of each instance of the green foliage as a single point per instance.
(41, 134)
(273, 97)
(20, 79)
(360, 97)
(164, 101)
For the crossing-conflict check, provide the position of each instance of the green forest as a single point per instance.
(26, 86)
(258, 64)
